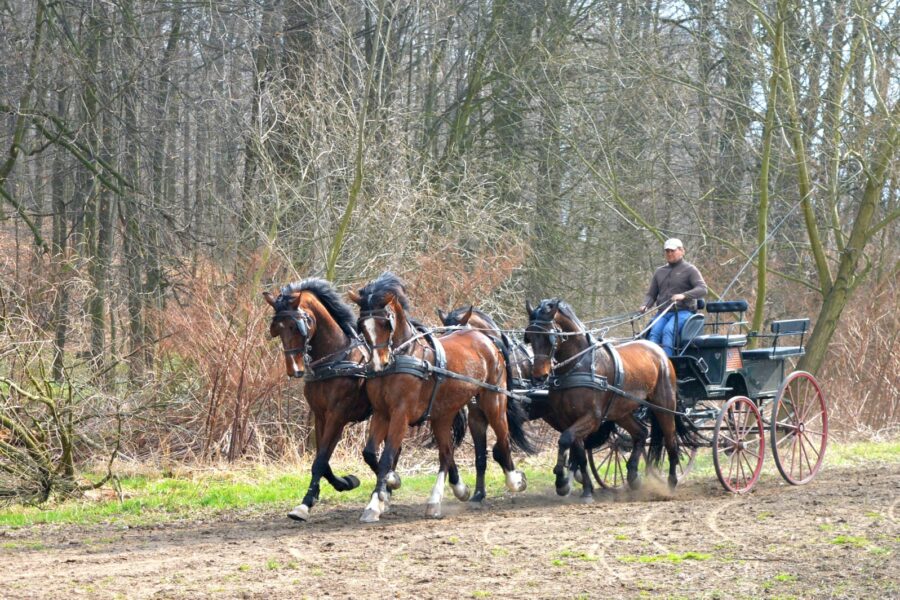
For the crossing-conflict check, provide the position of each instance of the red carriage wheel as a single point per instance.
(738, 445)
(799, 428)
(608, 461)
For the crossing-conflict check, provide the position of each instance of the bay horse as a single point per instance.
(583, 407)
(519, 367)
(415, 377)
(320, 342)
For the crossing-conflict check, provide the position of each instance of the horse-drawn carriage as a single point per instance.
(735, 396)
(607, 399)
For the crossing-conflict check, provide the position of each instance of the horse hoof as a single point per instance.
(392, 481)
(563, 491)
(300, 513)
(433, 510)
(588, 499)
(369, 516)
(352, 482)
(462, 493)
(477, 498)
(634, 483)
(516, 481)
(578, 477)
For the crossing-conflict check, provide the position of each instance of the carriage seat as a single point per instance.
(716, 340)
(781, 328)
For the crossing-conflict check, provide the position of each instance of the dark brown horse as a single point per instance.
(405, 390)
(582, 407)
(319, 339)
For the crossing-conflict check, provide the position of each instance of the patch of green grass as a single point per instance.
(850, 540)
(764, 515)
(452, 540)
(874, 515)
(620, 537)
(272, 564)
(863, 452)
(24, 545)
(481, 594)
(879, 551)
(316, 572)
(499, 552)
(671, 557)
(578, 555)
(785, 577)
(244, 568)
(826, 527)
(556, 562)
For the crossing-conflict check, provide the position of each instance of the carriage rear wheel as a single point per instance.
(799, 428)
(738, 445)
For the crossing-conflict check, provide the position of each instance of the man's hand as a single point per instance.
(678, 297)
(642, 309)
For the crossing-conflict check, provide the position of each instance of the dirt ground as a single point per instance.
(835, 538)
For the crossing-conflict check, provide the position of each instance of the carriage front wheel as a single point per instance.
(799, 428)
(738, 445)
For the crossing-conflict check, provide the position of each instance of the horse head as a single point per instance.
(542, 334)
(295, 326)
(382, 316)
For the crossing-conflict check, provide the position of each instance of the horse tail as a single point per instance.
(516, 417)
(460, 423)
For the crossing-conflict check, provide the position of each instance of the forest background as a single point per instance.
(164, 162)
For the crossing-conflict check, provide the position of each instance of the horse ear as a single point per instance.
(528, 307)
(269, 298)
(442, 316)
(392, 301)
(465, 318)
(354, 297)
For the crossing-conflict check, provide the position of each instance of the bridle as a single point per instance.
(303, 321)
(551, 330)
(379, 314)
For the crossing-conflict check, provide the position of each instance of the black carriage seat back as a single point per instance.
(718, 339)
(693, 326)
(787, 327)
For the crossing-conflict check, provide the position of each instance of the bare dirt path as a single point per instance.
(838, 537)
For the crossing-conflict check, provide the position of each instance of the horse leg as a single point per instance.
(494, 407)
(568, 440)
(478, 429)
(579, 460)
(443, 436)
(639, 437)
(378, 429)
(319, 468)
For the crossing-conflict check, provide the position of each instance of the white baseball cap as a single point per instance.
(672, 244)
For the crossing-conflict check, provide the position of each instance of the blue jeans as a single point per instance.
(663, 331)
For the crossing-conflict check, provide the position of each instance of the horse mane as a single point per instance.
(330, 299)
(374, 294)
(456, 313)
(567, 312)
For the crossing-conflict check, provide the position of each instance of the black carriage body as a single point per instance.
(713, 362)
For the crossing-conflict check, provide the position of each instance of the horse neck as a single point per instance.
(404, 331)
(329, 337)
(574, 341)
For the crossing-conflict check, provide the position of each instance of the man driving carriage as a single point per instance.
(677, 281)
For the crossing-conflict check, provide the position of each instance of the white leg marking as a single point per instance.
(373, 510)
(437, 492)
(515, 481)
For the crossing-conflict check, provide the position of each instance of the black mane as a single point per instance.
(454, 316)
(538, 314)
(374, 294)
(567, 311)
(326, 294)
